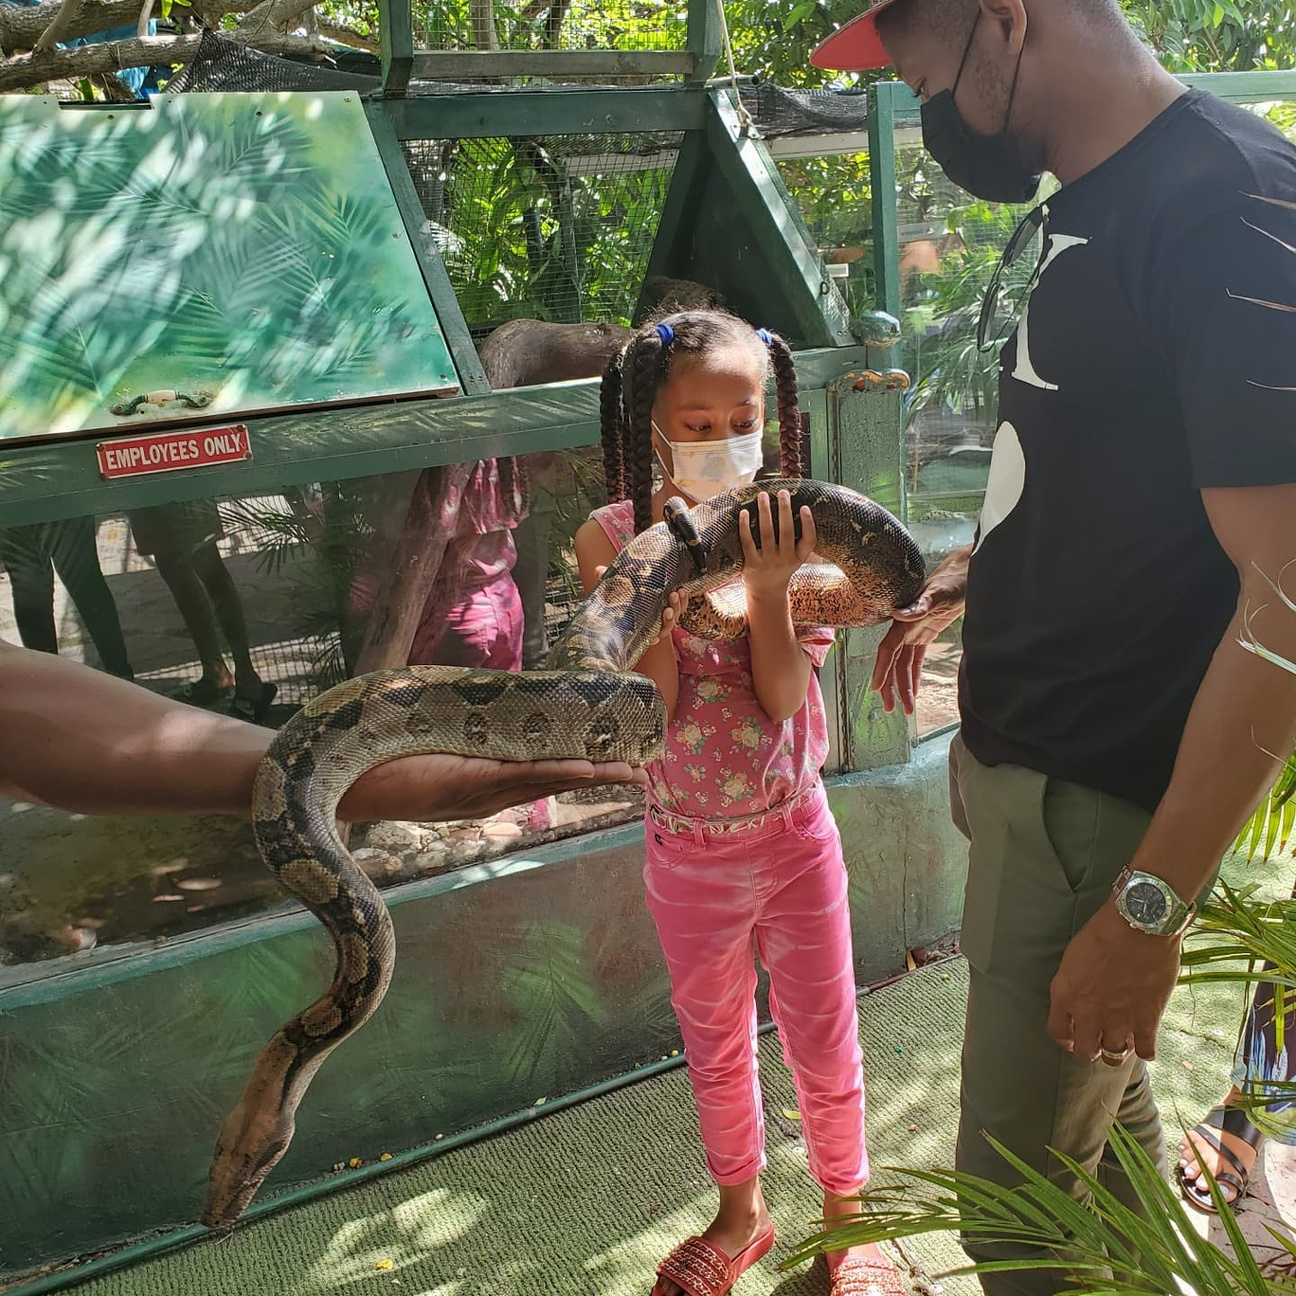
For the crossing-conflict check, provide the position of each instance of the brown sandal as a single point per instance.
(700, 1268)
(860, 1277)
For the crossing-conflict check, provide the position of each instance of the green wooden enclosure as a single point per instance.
(309, 289)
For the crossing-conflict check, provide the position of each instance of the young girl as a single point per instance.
(743, 855)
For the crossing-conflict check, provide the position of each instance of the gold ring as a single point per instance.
(1109, 1056)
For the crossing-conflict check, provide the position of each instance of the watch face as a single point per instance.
(1145, 903)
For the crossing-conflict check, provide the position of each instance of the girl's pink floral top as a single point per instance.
(724, 757)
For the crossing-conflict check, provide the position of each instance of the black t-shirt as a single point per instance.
(1156, 357)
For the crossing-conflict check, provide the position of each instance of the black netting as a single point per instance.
(805, 112)
(222, 64)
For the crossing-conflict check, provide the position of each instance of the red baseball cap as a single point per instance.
(857, 47)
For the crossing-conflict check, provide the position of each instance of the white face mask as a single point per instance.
(706, 468)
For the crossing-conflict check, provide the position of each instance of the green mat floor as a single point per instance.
(586, 1202)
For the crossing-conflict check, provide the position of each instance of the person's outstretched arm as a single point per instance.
(79, 740)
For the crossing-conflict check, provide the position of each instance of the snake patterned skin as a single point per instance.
(587, 706)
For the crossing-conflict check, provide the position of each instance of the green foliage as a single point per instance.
(1109, 1249)
(1188, 35)
(1269, 831)
(524, 235)
(1217, 35)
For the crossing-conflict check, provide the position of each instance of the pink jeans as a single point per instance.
(780, 891)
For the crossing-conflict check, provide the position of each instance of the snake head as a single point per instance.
(252, 1142)
(876, 329)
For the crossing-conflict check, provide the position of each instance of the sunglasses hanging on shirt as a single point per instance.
(1023, 237)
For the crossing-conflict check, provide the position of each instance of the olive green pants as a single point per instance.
(1044, 856)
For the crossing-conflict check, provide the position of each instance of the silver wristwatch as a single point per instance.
(1150, 904)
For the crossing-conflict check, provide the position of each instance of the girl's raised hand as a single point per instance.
(669, 617)
(767, 569)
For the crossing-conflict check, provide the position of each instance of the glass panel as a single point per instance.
(950, 247)
(834, 195)
(557, 228)
(259, 603)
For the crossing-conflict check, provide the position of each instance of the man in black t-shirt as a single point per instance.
(1115, 734)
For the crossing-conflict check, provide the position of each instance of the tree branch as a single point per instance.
(30, 70)
(345, 36)
(483, 24)
(21, 26)
(270, 16)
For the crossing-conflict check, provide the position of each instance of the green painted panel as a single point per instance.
(516, 981)
(55, 479)
(244, 249)
(1237, 87)
(1246, 87)
(730, 224)
(490, 112)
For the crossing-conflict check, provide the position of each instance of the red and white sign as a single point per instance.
(167, 451)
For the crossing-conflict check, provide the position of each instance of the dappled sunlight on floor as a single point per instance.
(586, 1202)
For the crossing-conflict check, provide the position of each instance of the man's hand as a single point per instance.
(902, 652)
(435, 788)
(1111, 989)
(82, 741)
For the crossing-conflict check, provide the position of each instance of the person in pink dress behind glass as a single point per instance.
(743, 856)
(473, 615)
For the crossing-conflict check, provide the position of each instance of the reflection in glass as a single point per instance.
(31, 555)
(292, 591)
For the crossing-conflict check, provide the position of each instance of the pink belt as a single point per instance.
(689, 826)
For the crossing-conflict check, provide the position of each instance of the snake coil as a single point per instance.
(588, 705)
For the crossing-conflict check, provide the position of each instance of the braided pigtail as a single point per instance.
(643, 365)
(789, 413)
(612, 429)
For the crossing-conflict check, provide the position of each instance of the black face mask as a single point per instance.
(990, 167)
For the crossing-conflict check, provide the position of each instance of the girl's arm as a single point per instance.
(594, 551)
(780, 664)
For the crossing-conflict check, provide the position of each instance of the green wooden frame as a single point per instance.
(52, 480)
(564, 111)
(402, 62)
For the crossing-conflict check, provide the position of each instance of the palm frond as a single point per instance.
(1240, 938)
(1103, 1245)
(1269, 831)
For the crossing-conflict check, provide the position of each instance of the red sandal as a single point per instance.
(700, 1268)
(861, 1277)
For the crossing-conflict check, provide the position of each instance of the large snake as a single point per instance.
(587, 706)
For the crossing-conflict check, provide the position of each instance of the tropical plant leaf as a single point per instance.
(1102, 1245)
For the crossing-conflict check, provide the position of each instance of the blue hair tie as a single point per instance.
(765, 336)
(666, 333)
